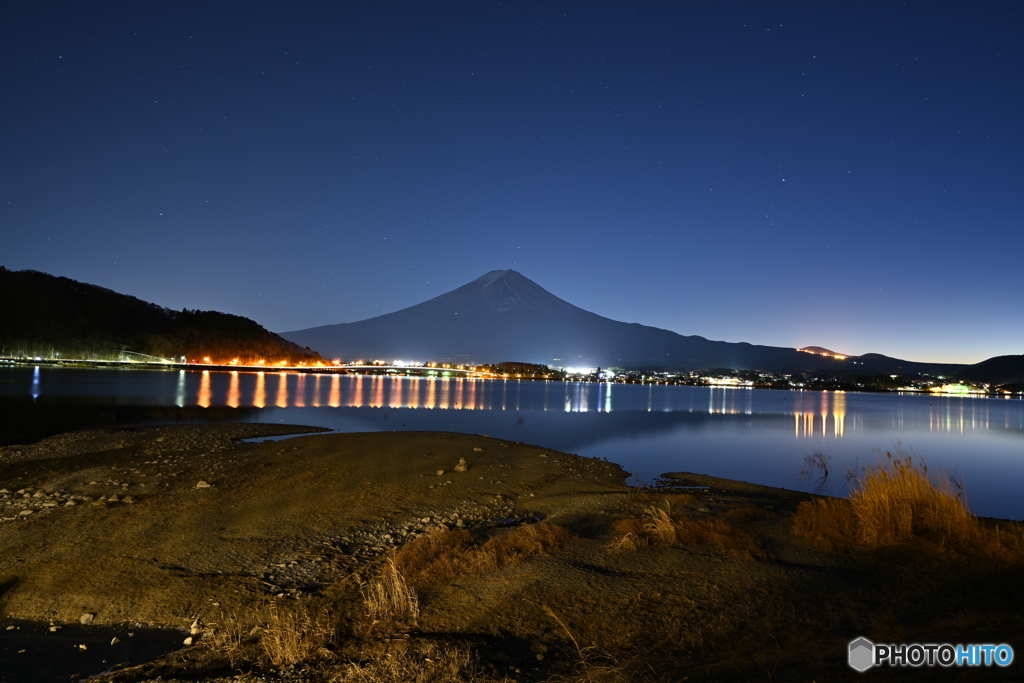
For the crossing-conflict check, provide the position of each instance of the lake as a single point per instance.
(752, 435)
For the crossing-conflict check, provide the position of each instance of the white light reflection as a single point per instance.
(179, 395)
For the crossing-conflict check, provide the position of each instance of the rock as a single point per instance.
(477, 449)
(194, 629)
(25, 513)
(202, 484)
(187, 641)
(440, 473)
(70, 504)
(461, 467)
(115, 640)
(128, 499)
(87, 618)
(113, 499)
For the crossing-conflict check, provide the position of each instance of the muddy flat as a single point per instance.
(526, 564)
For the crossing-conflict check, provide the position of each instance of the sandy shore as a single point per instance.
(183, 525)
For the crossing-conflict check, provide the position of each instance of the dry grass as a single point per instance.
(748, 513)
(897, 501)
(420, 663)
(674, 499)
(445, 554)
(294, 635)
(660, 526)
(830, 523)
(389, 600)
(274, 636)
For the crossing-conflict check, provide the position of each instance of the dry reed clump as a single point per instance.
(389, 600)
(897, 501)
(659, 526)
(444, 554)
(274, 636)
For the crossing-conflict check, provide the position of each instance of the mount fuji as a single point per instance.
(504, 316)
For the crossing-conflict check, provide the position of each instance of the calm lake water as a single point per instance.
(752, 435)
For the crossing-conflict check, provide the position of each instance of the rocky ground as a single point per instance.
(190, 527)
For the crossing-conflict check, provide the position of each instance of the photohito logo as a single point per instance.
(863, 654)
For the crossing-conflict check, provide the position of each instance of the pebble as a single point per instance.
(87, 618)
(201, 484)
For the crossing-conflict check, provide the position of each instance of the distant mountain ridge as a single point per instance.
(504, 316)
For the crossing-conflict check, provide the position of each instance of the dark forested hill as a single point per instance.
(41, 315)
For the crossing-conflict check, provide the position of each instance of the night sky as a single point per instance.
(844, 174)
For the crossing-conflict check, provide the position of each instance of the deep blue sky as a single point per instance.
(836, 173)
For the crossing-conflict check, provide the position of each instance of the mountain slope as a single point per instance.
(997, 370)
(43, 314)
(503, 316)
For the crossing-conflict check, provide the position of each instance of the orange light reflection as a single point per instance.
(204, 390)
(334, 400)
(259, 398)
(282, 390)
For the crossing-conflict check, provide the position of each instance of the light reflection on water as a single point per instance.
(740, 433)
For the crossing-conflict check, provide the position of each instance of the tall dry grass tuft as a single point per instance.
(896, 501)
(660, 526)
(274, 636)
(389, 599)
(445, 554)
(294, 635)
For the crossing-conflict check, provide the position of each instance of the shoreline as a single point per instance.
(184, 526)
